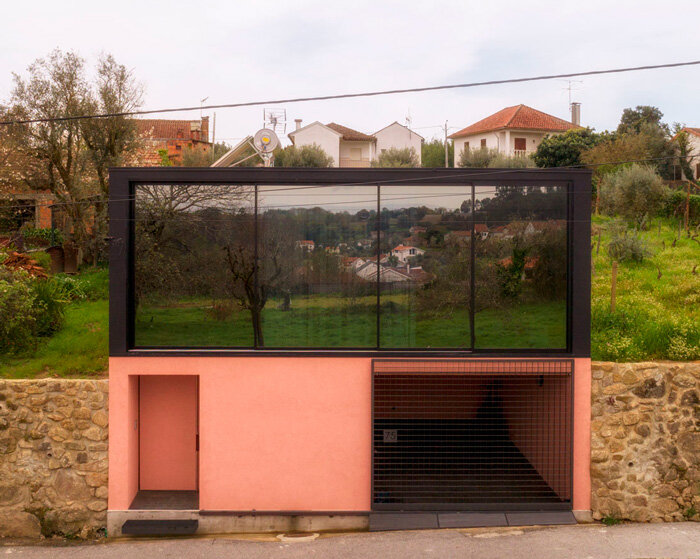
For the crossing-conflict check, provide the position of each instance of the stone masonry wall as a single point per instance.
(646, 441)
(53, 457)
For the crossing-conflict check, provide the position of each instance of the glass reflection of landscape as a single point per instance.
(521, 267)
(317, 267)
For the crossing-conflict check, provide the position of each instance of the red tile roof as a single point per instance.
(162, 129)
(349, 134)
(694, 131)
(519, 117)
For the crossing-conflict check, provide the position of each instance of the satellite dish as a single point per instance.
(265, 140)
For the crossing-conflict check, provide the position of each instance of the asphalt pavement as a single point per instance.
(626, 541)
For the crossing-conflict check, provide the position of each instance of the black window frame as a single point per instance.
(123, 182)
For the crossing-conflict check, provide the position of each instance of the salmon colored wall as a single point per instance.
(124, 439)
(168, 432)
(582, 434)
(284, 433)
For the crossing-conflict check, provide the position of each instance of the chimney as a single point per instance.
(297, 121)
(576, 113)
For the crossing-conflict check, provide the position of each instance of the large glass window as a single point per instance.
(425, 266)
(194, 258)
(521, 267)
(317, 249)
(388, 266)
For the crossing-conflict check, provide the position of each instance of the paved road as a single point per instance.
(680, 540)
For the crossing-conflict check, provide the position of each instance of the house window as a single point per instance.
(356, 154)
(697, 171)
(520, 144)
(16, 213)
(483, 142)
(466, 145)
(225, 266)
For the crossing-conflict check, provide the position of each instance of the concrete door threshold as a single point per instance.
(383, 521)
(210, 522)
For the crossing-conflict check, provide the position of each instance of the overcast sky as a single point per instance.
(237, 51)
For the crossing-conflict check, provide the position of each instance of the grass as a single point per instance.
(78, 350)
(327, 321)
(657, 314)
(655, 318)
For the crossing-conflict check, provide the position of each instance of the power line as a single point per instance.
(355, 95)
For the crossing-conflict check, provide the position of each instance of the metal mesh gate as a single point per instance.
(472, 435)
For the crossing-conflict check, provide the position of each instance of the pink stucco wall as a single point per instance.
(282, 433)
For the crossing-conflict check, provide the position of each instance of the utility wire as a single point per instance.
(355, 95)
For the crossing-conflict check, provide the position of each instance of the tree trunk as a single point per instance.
(256, 318)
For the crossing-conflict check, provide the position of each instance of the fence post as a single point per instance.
(613, 286)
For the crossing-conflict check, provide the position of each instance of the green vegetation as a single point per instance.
(657, 314)
(74, 315)
(78, 350)
(610, 520)
(326, 321)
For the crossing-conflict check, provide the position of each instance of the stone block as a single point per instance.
(19, 524)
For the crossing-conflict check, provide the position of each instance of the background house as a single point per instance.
(173, 136)
(350, 148)
(516, 130)
(398, 136)
(694, 145)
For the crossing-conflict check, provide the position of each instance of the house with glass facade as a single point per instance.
(275, 365)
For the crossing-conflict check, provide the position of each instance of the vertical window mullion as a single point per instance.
(256, 261)
(379, 253)
(472, 272)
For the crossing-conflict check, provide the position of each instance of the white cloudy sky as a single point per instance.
(236, 51)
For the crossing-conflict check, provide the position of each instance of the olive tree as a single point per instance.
(397, 157)
(635, 193)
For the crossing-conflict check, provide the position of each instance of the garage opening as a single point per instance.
(472, 435)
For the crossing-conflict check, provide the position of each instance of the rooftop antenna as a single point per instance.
(571, 87)
(276, 120)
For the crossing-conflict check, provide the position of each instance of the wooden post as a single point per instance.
(687, 210)
(613, 286)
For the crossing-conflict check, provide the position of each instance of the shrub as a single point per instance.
(50, 300)
(634, 192)
(515, 162)
(675, 205)
(395, 157)
(18, 313)
(304, 156)
(626, 245)
(477, 157)
(42, 236)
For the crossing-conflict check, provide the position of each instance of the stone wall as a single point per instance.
(53, 457)
(646, 441)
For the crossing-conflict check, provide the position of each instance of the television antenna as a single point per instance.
(275, 120)
(571, 87)
(265, 142)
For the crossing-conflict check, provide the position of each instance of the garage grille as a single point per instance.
(472, 434)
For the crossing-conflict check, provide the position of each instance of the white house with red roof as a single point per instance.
(516, 130)
(403, 253)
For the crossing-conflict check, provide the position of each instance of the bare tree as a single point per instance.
(255, 276)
